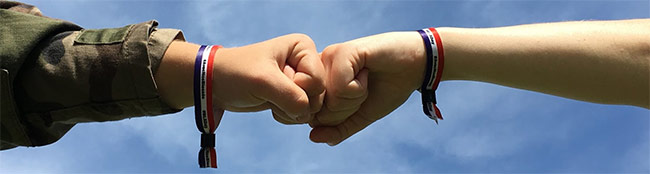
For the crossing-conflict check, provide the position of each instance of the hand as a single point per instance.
(284, 74)
(367, 78)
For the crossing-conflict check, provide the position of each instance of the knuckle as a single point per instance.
(282, 119)
(330, 49)
(300, 36)
(313, 85)
(339, 102)
(353, 91)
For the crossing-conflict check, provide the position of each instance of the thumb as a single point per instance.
(333, 135)
(282, 92)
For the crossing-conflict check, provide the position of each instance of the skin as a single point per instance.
(596, 61)
(283, 74)
(367, 78)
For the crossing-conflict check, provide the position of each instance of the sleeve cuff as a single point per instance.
(158, 44)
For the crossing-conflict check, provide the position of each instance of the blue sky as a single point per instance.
(487, 128)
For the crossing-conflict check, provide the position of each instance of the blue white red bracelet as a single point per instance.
(207, 118)
(433, 73)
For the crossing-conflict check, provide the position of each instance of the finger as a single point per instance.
(283, 93)
(382, 99)
(348, 96)
(282, 117)
(343, 64)
(314, 123)
(328, 117)
(314, 90)
(283, 120)
(346, 86)
(315, 101)
(333, 135)
(289, 71)
(309, 71)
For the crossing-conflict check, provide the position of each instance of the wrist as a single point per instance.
(433, 71)
(174, 77)
(400, 54)
(419, 55)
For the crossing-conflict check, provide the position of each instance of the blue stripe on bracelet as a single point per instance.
(434, 57)
(427, 73)
(197, 87)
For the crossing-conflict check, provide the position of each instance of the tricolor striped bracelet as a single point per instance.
(207, 118)
(433, 73)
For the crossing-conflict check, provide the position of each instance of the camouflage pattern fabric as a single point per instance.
(56, 74)
(20, 7)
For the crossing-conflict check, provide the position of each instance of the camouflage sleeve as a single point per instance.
(80, 76)
(20, 7)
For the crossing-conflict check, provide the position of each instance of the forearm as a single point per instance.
(596, 61)
(283, 74)
(174, 76)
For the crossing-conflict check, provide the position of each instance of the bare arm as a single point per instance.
(174, 76)
(283, 74)
(595, 61)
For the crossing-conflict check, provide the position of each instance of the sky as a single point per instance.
(487, 128)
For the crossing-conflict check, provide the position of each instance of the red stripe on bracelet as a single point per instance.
(441, 57)
(213, 158)
(212, 125)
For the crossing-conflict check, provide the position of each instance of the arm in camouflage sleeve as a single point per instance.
(71, 76)
(55, 75)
